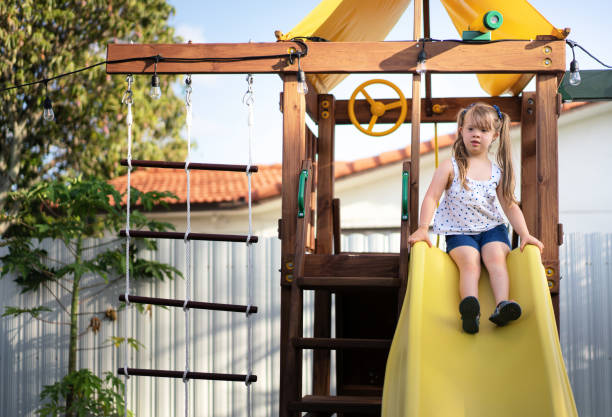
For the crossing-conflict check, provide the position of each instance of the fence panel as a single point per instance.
(33, 353)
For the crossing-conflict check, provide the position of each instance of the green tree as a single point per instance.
(73, 212)
(43, 38)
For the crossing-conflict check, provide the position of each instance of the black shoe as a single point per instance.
(470, 314)
(505, 312)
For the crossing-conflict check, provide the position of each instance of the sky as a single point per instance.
(220, 128)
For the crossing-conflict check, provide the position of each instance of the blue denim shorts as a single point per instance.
(497, 234)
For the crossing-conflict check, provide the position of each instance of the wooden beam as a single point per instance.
(296, 318)
(451, 106)
(415, 137)
(547, 171)
(312, 102)
(529, 203)
(325, 185)
(336, 225)
(341, 57)
(324, 241)
(404, 247)
(294, 142)
(349, 265)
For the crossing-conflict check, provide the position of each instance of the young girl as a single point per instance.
(469, 215)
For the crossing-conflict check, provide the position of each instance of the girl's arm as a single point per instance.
(440, 179)
(517, 220)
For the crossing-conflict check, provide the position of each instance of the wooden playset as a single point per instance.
(369, 287)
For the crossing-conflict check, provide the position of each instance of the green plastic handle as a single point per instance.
(301, 192)
(405, 186)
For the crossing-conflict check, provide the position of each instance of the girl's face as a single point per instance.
(477, 137)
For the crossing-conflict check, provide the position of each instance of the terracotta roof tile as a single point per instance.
(210, 187)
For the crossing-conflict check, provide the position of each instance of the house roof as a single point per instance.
(214, 189)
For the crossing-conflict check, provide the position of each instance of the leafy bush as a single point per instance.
(87, 394)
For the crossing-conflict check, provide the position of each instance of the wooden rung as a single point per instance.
(168, 302)
(352, 265)
(345, 283)
(191, 236)
(339, 404)
(190, 375)
(334, 344)
(192, 165)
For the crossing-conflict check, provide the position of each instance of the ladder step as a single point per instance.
(339, 404)
(192, 165)
(344, 283)
(190, 236)
(190, 375)
(168, 302)
(333, 344)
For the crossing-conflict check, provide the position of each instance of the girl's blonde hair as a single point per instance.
(487, 117)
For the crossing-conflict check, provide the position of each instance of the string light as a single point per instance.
(421, 67)
(301, 78)
(574, 76)
(155, 91)
(48, 113)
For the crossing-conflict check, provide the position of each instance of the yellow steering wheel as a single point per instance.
(377, 108)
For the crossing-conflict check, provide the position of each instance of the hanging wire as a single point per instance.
(188, 119)
(159, 58)
(128, 100)
(249, 100)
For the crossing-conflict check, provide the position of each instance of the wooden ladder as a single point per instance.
(367, 285)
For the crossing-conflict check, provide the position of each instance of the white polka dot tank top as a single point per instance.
(470, 211)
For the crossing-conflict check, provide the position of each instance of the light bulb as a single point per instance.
(421, 67)
(48, 114)
(574, 77)
(155, 91)
(302, 85)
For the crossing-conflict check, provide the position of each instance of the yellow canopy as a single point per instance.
(372, 20)
(520, 21)
(347, 21)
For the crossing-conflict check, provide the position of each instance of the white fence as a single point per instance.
(33, 354)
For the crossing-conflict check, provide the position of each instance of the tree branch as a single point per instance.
(103, 244)
(56, 298)
(91, 313)
(97, 347)
(51, 322)
(101, 291)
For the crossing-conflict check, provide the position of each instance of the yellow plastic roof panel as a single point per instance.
(520, 21)
(348, 21)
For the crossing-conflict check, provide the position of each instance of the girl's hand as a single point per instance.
(421, 235)
(530, 240)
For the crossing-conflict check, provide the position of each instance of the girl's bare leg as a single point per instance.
(467, 259)
(494, 257)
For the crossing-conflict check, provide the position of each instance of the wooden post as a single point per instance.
(294, 134)
(294, 356)
(426, 35)
(324, 241)
(529, 203)
(415, 148)
(404, 247)
(547, 170)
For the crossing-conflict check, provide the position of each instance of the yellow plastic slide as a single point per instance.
(436, 370)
